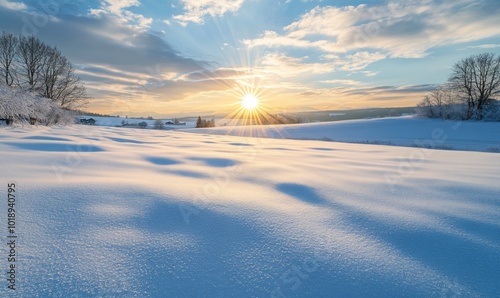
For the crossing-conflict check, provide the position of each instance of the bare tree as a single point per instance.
(60, 82)
(158, 124)
(441, 103)
(477, 79)
(71, 92)
(32, 57)
(8, 52)
(54, 66)
(45, 70)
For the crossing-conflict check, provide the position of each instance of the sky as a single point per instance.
(191, 57)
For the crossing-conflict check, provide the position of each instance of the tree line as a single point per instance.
(202, 123)
(469, 93)
(33, 66)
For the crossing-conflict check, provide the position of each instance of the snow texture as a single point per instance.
(115, 212)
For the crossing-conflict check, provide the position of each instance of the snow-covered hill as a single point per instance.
(399, 131)
(115, 212)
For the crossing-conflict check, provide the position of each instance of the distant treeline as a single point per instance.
(85, 113)
(202, 123)
(339, 115)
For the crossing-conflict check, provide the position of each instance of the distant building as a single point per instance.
(6, 121)
(89, 121)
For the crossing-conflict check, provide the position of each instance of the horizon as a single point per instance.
(233, 115)
(143, 58)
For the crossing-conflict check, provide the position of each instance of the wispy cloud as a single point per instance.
(286, 66)
(371, 91)
(13, 5)
(399, 29)
(485, 46)
(304, 1)
(196, 10)
(343, 82)
(360, 60)
(362, 96)
(369, 73)
(218, 74)
(119, 9)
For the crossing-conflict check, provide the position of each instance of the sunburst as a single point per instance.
(250, 102)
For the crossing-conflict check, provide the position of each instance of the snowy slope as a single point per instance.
(400, 131)
(114, 212)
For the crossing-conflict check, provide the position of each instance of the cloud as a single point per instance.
(399, 29)
(13, 5)
(197, 10)
(360, 96)
(304, 1)
(117, 6)
(272, 39)
(218, 74)
(114, 59)
(372, 91)
(369, 73)
(106, 41)
(286, 66)
(485, 46)
(343, 82)
(270, 67)
(360, 60)
(119, 9)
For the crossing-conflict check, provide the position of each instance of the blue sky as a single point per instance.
(185, 57)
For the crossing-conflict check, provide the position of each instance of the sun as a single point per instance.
(249, 102)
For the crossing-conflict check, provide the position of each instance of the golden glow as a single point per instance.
(250, 102)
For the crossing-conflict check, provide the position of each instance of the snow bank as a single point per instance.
(23, 107)
(115, 212)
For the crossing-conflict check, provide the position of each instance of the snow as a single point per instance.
(20, 106)
(116, 212)
(399, 131)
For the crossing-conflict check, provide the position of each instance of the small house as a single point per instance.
(89, 121)
(6, 121)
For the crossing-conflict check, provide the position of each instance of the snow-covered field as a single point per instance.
(398, 131)
(116, 212)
